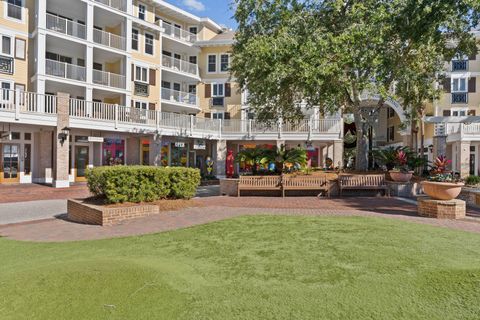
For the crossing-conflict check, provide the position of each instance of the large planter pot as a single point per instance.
(399, 176)
(442, 190)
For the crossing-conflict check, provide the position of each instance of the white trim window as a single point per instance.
(224, 62)
(141, 104)
(459, 85)
(149, 43)
(142, 9)
(141, 74)
(135, 39)
(218, 89)
(459, 112)
(218, 115)
(212, 63)
(6, 45)
(14, 10)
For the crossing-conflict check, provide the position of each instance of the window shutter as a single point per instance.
(472, 84)
(152, 77)
(472, 113)
(447, 85)
(446, 113)
(228, 89)
(133, 72)
(208, 90)
(226, 116)
(151, 106)
(208, 115)
(472, 57)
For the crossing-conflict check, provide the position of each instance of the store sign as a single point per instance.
(199, 144)
(96, 139)
(179, 144)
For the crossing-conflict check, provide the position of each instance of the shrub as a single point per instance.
(120, 184)
(472, 180)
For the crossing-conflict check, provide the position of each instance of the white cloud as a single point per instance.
(194, 5)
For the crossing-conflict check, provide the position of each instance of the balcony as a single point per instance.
(180, 65)
(141, 89)
(6, 65)
(14, 11)
(179, 97)
(460, 97)
(66, 27)
(459, 65)
(178, 33)
(115, 4)
(109, 79)
(65, 70)
(109, 39)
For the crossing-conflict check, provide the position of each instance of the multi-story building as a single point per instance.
(98, 82)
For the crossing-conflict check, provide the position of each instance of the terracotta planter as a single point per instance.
(399, 176)
(442, 190)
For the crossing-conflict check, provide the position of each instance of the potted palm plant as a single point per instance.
(401, 172)
(442, 184)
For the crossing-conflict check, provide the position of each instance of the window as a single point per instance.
(224, 62)
(391, 113)
(218, 90)
(27, 161)
(141, 11)
(141, 74)
(27, 136)
(193, 59)
(193, 30)
(20, 45)
(459, 85)
(134, 39)
(217, 115)
(141, 105)
(212, 63)
(14, 9)
(192, 88)
(6, 45)
(15, 135)
(459, 112)
(391, 133)
(148, 43)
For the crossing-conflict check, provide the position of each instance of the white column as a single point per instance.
(90, 19)
(129, 6)
(89, 63)
(89, 98)
(41, 49)
(128, 33)
(41, 16)
(128, 73)
(41, 90)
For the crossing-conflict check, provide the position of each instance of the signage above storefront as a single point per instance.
(179, 144)
(96, 139)
(199, 144)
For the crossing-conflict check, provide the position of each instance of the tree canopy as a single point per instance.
(327, 53)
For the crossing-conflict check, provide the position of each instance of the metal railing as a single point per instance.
(65, 26)
(178, 33)
(65, 70)
(109, 79)
(14, 11)
(116, 4)
(179, 65)
(459, 65)
(472, 128)
(6, 65)
(459, 97)
(109, 39)
(179, 96)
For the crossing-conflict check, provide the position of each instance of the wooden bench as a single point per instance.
(259, 183)
(317, 182)
(363, 182)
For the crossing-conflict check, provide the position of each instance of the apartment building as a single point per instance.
(100, 82)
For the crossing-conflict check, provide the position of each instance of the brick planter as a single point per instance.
(441, 209)
(81, 212)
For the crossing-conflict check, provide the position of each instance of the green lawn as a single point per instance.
(262, 267)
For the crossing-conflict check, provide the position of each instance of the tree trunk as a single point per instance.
(361, 159)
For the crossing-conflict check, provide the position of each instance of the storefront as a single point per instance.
(16, 154)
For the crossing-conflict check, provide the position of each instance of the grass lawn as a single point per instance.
(259, 267)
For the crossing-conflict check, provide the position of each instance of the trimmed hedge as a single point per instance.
(118, 184)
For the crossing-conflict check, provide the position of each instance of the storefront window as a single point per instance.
(179, 154)
(164, 155)
(27, 153)
(145, 156)
(113, 152)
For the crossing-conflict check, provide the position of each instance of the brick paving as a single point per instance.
(218, 208)
(30, 192)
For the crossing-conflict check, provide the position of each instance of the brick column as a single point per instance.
(463, 160)
(156, 150)
(61, 150)
(439, 146)
(220, 158)
(338, 153)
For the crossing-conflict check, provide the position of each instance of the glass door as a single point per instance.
(9, 167)
(81, 162)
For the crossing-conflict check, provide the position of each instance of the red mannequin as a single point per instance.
(229, 164)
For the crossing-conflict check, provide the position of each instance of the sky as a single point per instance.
(217, 10)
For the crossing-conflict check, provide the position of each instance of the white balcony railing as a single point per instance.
(109, 39)
(178, 33)
(14, 11)
(109, 79)
(180, 65)
(27, 102)
(65, 70)
(179, 96)
(116, 4)
(66, 27)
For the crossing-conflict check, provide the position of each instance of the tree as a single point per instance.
(328, 53)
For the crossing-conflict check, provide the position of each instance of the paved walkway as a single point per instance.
(31, 210)
(218, 208)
